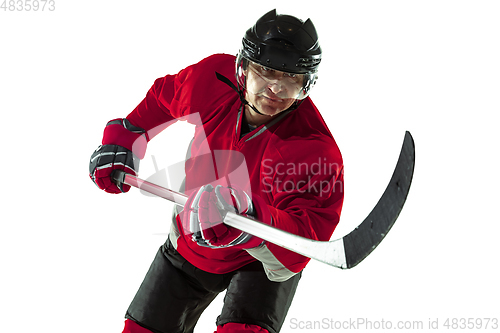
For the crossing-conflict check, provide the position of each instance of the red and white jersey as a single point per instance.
(292, 162)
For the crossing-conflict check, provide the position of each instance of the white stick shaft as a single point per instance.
(331, 253)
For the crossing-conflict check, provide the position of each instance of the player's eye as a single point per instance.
(267, 70)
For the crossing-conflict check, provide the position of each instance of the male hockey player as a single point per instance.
(254, 115)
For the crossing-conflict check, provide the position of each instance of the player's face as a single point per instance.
(271, 91)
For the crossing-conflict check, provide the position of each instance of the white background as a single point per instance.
(72, 257)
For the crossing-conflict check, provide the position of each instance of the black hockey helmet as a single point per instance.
(283, 43)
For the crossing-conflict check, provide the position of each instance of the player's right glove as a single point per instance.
(123, 144)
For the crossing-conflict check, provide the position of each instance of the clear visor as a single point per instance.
(261, 80)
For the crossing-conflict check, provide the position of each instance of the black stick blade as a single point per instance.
(360, 242)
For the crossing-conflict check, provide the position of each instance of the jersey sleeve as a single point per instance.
(306, 197)
(189, 95)
(156, 111)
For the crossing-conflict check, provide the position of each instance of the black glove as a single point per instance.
(108, 158)
(123, 145)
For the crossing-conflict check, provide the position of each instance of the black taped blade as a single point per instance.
(360, 242)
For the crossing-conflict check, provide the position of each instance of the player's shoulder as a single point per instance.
(219, 62)
(219, 58)
(203, 73)
(305, 135)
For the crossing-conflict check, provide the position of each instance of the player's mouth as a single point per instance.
(273, 99)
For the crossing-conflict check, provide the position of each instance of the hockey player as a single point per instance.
(255, 113)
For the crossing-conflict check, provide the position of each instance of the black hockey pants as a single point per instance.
(174, 294)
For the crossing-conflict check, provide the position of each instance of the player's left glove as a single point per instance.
(205, 209)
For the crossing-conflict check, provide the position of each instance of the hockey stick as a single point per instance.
(345, 252)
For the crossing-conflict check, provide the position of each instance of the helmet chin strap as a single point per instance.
(255, 109)
(239, 92)
(224, 79)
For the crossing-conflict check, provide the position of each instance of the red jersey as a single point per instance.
(292, 162)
